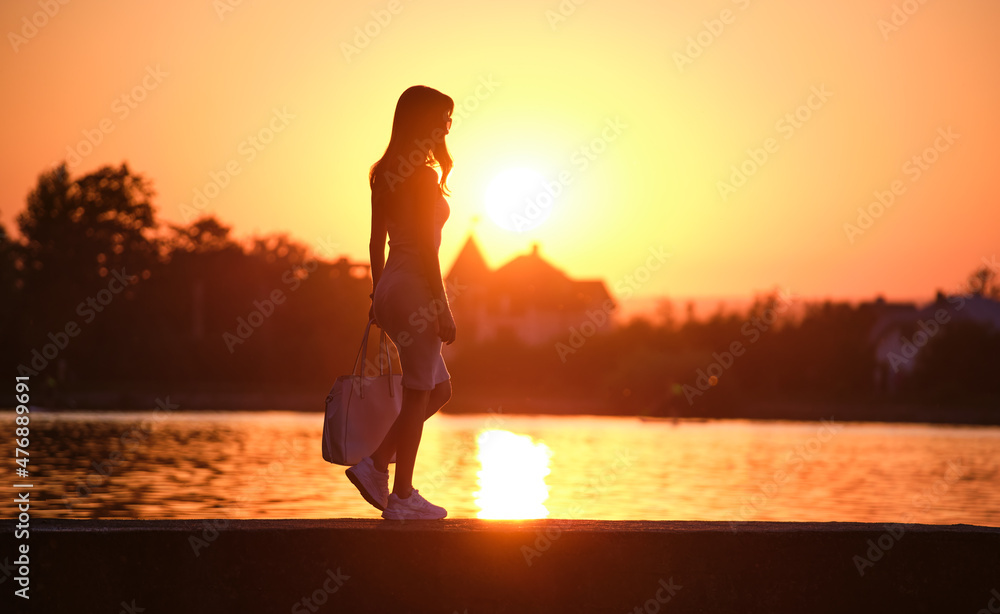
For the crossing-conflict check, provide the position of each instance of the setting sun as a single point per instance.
(517, 199)
(512, 478)
(752, 152)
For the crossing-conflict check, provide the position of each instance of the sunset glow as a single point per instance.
(519, 306)
(512, 478)
(517, 199)
(757, 142)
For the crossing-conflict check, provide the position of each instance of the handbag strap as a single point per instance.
(362, 351)
(362, 356)
(384, 343)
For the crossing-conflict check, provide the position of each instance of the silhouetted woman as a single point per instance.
(408, 295)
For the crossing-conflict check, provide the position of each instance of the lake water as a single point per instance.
(268, 465)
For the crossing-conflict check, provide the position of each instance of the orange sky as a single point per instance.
(534, 91)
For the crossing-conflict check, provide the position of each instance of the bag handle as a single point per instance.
(359, 359)
(362, 356)
(383, 348)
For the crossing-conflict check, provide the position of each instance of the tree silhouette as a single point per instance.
(216, 314)
(983, 282)
(204, 235)
(77, 232)
(10, 295)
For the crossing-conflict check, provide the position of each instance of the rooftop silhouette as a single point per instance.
(527, 297)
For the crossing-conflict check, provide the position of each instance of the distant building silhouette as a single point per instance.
(526, 298)
(902, 330)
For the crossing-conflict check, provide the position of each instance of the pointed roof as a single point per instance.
(592, 291)
(469, 265)
(531, 269)
(530, 280)
(526, 281)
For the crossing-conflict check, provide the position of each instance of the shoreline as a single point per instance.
(530, 405)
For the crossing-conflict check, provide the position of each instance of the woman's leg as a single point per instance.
(439, 396)
(436, 400)
(403, 439)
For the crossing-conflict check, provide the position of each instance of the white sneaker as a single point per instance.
(413, 507)
(370, 482)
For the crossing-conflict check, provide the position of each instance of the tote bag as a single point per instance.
(360, 408)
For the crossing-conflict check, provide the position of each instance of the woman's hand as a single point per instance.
(446, 326)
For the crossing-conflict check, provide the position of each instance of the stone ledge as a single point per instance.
(475, 566)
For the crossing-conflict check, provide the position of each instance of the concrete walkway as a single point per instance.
(299, 566)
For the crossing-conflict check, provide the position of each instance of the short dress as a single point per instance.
(404, 305)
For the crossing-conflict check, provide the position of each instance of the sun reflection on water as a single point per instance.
(262, 465)
(512, 478)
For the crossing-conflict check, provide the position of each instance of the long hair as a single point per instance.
(417, 137)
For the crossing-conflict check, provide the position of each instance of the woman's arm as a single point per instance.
(376, 246)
